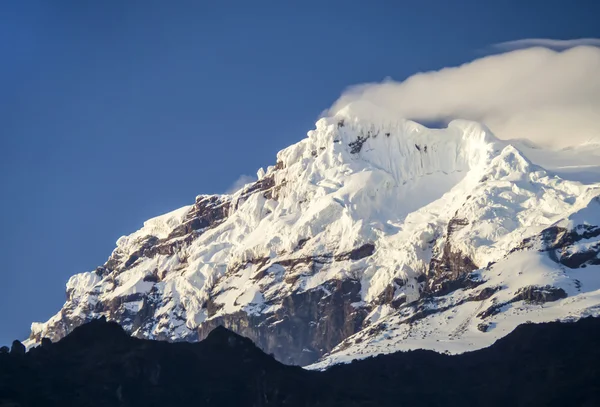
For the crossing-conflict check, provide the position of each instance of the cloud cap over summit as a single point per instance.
(549, 97)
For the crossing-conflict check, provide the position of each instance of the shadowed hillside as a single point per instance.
(98, 364)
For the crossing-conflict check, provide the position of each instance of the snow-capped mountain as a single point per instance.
(373, 234)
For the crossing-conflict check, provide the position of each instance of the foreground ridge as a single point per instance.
(98, 364)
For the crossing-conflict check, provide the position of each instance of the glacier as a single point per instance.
(371, 235)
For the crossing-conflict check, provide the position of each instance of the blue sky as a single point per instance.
(112, 112)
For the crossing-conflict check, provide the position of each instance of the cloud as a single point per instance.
(240, 182)
(546, 96)
(557, 45)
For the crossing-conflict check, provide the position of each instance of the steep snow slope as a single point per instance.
(524, 286)
(369, 232)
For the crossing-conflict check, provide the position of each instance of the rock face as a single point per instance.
(98, 364)
(366, 237)
(306, 326)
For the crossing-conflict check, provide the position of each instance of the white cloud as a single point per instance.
(546, 96)
(240, 182)
(557, 45)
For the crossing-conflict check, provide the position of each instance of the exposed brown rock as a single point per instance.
(308, 325)
(361, 252)
(449, 267)
(208, 211)
(530, 294)
(356, 145)
(539, 295)
(483, 327)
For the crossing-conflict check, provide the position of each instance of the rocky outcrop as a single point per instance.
(449, 267)
(483, 327)
(361, 252)
(356, 145)
(530, 294)
(539, 295)
(207, 212)
(563, 245)
(306, 325)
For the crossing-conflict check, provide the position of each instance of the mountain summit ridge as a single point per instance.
(370, 233)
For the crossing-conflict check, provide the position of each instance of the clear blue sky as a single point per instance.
(112, 111)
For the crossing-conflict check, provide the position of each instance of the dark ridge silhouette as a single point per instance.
(98, 364)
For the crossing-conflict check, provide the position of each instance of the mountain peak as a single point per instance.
(372, 230)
